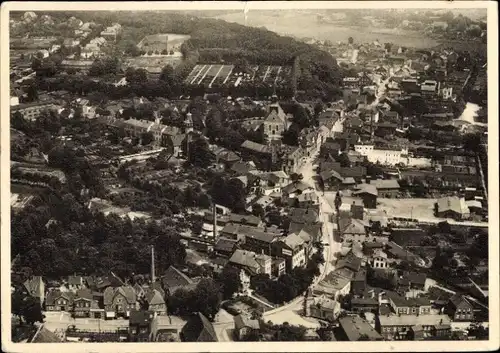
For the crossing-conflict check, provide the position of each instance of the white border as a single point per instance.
(492, 344)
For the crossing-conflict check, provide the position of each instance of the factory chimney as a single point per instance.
(153, 277)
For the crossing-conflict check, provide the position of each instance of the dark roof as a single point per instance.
(364, 301)
(225, 244)
(354, 327)
(244, 219)
(75, 280)
(410, 302)
(199, 329)
(175, 278)
(457, 299)
(53, 295)
(304, 215)
(414, 277)
(45, 336)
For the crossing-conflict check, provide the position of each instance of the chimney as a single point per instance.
(215, 221)
(153, 278)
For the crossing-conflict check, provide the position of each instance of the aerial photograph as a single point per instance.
(235, 176)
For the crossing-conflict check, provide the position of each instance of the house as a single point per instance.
(251, 262)
(363, 305)
(353, 230)
(333, 286)
(304, 215)
(75, 282)
(358, 283)
(59, 301)
(174, 143)
(395, 327)
(292, 158)
(278, 266)
(330, 147)
(86, 305)
(119, 301)
(411, 280)
(174, 279)
(245, 327)
(292, 249)
(354, 328)
(409, 306)
(36, 288)
(32, 111)
(452, 207)
(156, 301)
(198, 329)
(378, 259)
(368, 194)
(460, 309)
(225, 247)
(322, 307)
(140, 325)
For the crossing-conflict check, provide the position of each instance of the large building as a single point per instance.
(385, 156)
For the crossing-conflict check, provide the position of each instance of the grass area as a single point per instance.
(408, 208)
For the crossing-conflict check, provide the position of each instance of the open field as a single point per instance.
(161, 41)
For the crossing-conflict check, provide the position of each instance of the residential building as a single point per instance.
(409, 306)
(140, 325)
(156, 301)
(378, 259)
(119, 301)
(460, 309)
(174, 279)
(225, 247)
(198, 329)
(59, 301)
(251, 262)
(292, 249)
(245, 327)
(398, 327)
(86, 305)
(112, 32)
(278, 266)
(36, 288)
(354, 328)
(322, 307)
(384, 156)
(292, 158)
(368, 193)
(353, 230)
(452, 207)
(75, 282)
(358, 283)
(363, 305)
(32, 111)
(333, 286)
(411, 280)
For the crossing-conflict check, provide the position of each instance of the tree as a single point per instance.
(350, 40)
(147, 138)
(229, 280)
(258, 211)
(167, 74)
(338, 201)
(199, 154)
(132, 49)
(26, 307)
(295, 178)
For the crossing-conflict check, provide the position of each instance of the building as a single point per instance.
(85, 304)
(333, 286)
(363, 305)
(59, 301)
(292, 249)
(36, 288)
(353, 230)
(452, 207)
(386, 187)
(411, 280)
(368, 194)
(32, 111)
(112, 32)
(198, 329)
(395, 327)
(278, 266)
(354, 328)
(119, 301)
(251, 262)
(225, 247)
(409, 306)
(140, 325)
(378, 259)
(384, 156)
(322, 307)
(156, 301)
(275, 123)
(245, 327)
(174, 279)
(460, 309)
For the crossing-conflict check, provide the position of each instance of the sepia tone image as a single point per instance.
(257, 175)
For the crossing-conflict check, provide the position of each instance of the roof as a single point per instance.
(326, 303)
(245, 258)
(225, 244)
(175, 278)
(199, 329)
(34, 286)
(154, 297)
(414, 277)
(75, 280)
(126, 291)
(452, 203)
(244, 219)
(257, 147)
(355, 327)
(408, 302)
(304, 215)
(242, 321)
(53, 295)
(43, 335)
(366, 189)
(293, 241)
(364, 301)
(411, 320)
(293, 187)
(355, 226)
(385, 184)
(457, 299)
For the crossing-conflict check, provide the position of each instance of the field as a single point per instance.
(154, 61)
(220, 75)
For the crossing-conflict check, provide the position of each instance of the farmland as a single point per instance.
(223, 75)
(160, 42)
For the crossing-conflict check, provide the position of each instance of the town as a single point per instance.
(184, 179)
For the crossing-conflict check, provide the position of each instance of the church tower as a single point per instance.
(188, 123)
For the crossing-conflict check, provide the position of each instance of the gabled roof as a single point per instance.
(53, 295)
(294, 187)
(175, 278)
(458, 299)
(199, 329)
(293, 241)
(245, 258)
(225, 244)
(43, 335)
(127, 292)
(304, 215)
(366, 189)
(244, 219)
(385, 184)
(253, 146)
(452, 203)
(242, 321)
(154, 297)
(34, 286)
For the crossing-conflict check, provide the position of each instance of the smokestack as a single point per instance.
(215, 221)
(153, 277)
